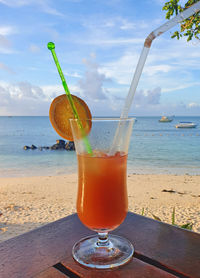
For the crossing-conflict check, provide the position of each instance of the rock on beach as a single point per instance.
(60, 145)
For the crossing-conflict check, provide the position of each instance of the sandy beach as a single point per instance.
(27, 203)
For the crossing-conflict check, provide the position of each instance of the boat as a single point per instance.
(165, 119)
(186, 125)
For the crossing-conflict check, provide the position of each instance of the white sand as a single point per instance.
(27, 203)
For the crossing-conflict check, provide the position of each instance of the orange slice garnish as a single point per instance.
(60, 112)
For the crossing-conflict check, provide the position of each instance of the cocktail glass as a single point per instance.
(102, 201)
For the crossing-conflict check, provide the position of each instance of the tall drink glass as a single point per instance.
(102, 201)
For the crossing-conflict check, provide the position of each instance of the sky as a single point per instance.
(98, 45)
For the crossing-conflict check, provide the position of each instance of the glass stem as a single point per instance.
(103, 239)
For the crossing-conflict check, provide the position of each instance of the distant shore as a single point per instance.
(29, 202)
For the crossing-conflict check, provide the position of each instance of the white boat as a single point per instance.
(166, 119)
(186, 125)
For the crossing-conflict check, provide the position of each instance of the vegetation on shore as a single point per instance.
(187, 226)
(190, 27)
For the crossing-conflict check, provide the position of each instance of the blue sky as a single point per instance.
(98, 44)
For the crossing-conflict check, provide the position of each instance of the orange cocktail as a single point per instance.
(102, 194)
(102, 200)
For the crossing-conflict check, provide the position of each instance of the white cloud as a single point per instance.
(6, 68)
(177, 53)
(34, 48)
(14, 3)
(5, 97)
(5, 45)
(43, 5)
(152, 70)
(194, 105)
(149, 97)
(115, 22)
(52, 91)
(175, 86)
(27, 90)
(169, 65)
(47, 9)
(7, 30)
(121, 70)
(22, 90)
(108, 31)
(105, 22)
(91, 84)
(73, 74)
(127, 25)
(27, 99)
(23, 99)
(110, 42)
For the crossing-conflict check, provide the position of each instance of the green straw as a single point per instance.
(51, 47)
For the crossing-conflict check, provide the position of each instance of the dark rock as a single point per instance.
(57, 147)
(70, 146)
(33, 147)
(60, 145)
(26, 147)
(60, 142)
(54, 147)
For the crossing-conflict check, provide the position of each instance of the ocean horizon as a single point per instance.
(155, 148)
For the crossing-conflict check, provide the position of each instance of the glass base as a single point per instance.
(90, 252)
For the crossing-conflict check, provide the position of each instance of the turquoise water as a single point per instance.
(154, 148)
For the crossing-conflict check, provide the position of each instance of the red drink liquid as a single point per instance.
(102, 193)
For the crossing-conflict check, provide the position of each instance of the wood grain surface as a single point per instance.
(161, 250)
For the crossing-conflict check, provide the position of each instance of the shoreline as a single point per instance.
(65, 170)
(29, 202)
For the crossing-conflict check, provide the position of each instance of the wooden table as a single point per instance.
(161, 250)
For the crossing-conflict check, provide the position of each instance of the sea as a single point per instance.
(155, 148)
